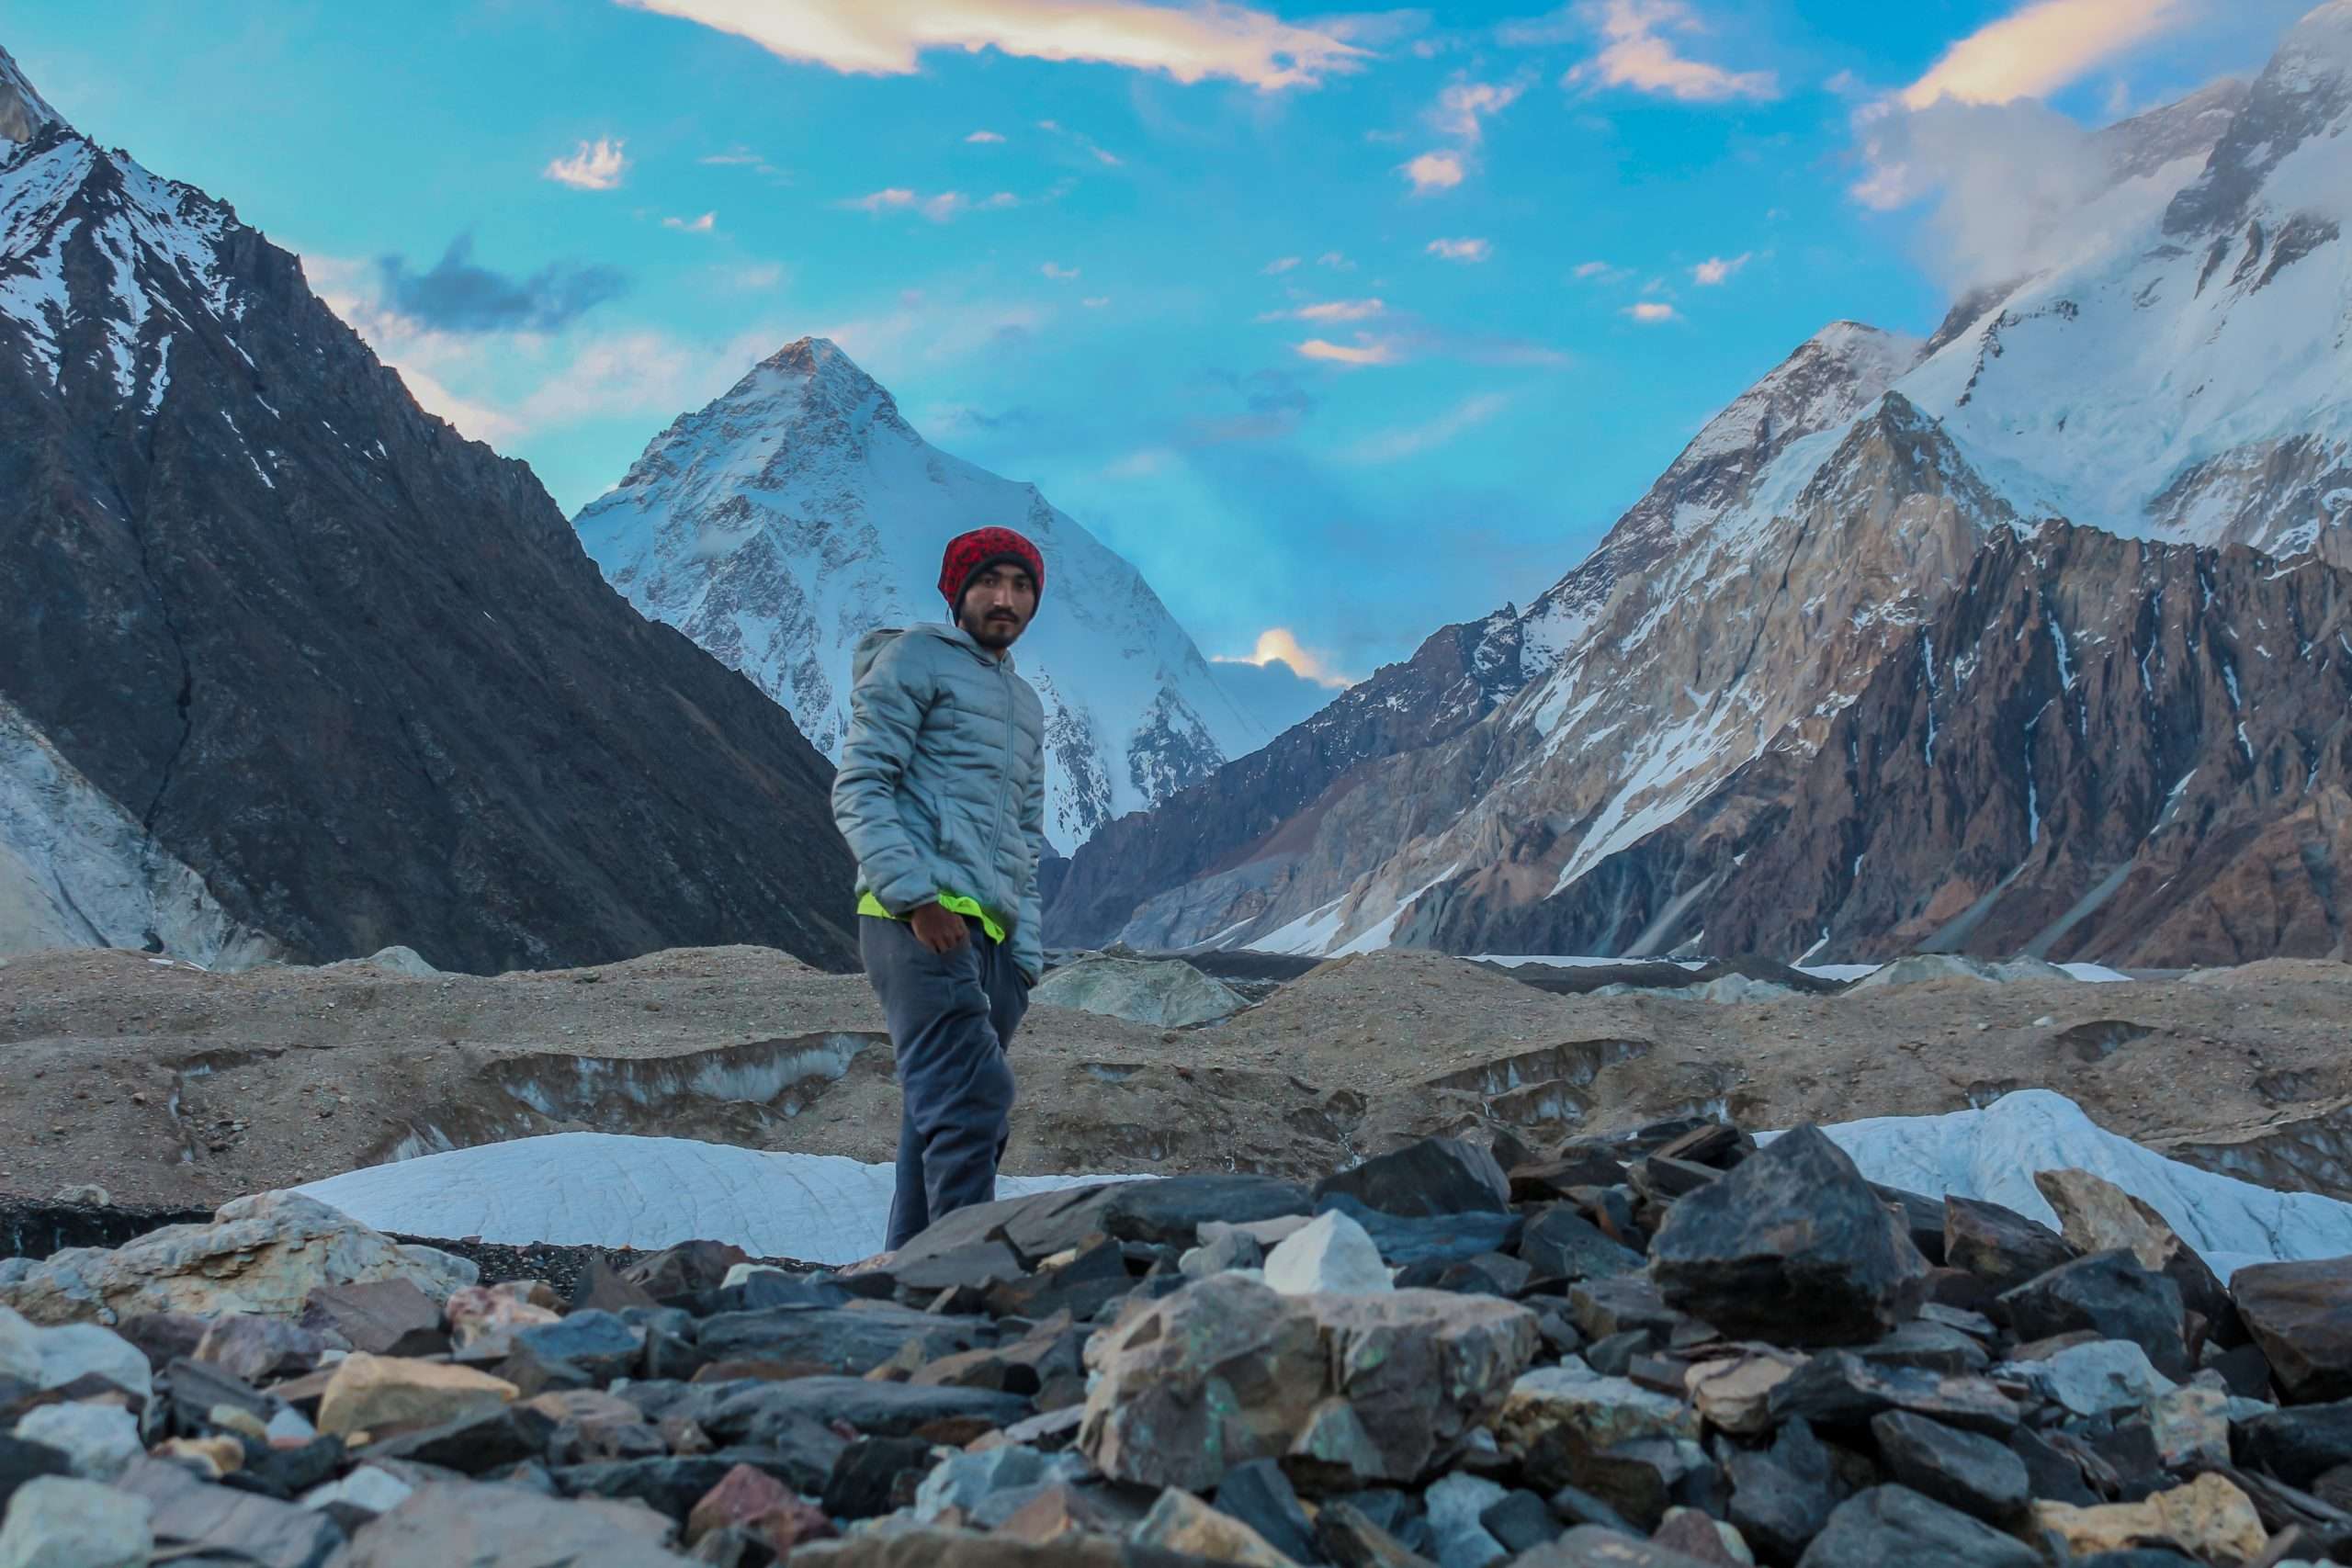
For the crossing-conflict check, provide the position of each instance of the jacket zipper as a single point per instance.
(1004, 779)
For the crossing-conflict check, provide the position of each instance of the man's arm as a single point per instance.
(884, 713)
(1028, 936)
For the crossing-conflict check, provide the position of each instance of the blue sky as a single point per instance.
(1340, 327)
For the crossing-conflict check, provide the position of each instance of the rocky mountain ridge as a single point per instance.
(2164, 383)
(779, 524)
(290, 666)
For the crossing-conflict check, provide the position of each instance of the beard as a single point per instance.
(994, 631)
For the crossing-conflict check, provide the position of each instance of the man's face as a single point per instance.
(998, 605)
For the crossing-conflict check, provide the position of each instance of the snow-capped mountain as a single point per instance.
(2178, 377)
(286, 666)
(786, 519)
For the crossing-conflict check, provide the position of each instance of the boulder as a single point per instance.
(1962, 1470)
(100, 1441)
(1182, 1522)
(1330, 1255)
(55, 1358)
(259, 1349)
(1560, 1243)
(448, 1523)
(263, 1254)
(1999, 1246)
(2300, 1314)
(1791, 1246)
(232, 1525)
(383, 1317)
(2299, 1444)
(2094, 1379)
(2208, 1518)
(2099, 1216)
(1436, 1176)
(1888, 1525)
(369, 1394)
(2110, 1295)
(1169, 993)
(59, 1522)
(1347, 1389)
(1573, 1402)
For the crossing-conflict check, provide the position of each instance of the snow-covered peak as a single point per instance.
(2297, 111)
(782, 521)
(1831, 377)
(23, 112)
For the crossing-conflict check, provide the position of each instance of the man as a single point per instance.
(942, 796)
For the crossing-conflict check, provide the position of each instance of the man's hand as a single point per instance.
(940, 929)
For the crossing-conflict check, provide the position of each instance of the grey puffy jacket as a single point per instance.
(942, 788)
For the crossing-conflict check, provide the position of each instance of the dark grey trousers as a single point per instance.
(951, 1015)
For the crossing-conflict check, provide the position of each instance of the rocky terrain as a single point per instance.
(286, 666)
(1658, 1350)
(173, 1087)
(1867, 529)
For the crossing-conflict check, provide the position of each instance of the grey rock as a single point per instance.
(760, 1413)
(671, 1485)
(1895, 1525)
(2300, 1314)
(1838, 1389)
(21, 1461)
(260, 1530)
(1963, 1469)
(599, 1343)
(1791, 1246)
(59, 1522)
(256, 1350)
(1781, 1496)
(1261, 1496)
(1436, 1176)
(1928, 1347)
(1229, 1249)
(1561, 1243)
(1333, 1254)
(850, 1339)
(2110, 1294)
(451, 1522)
(1594, 1546)
(2299, 1444)
(1170, 993)
(382, 1317)
(1520, 1521)
(50, 1358)
(100, 1441)
(2000, 1245)
(1405, 1240)
(875, 1476)
(1458, 1533)
(2095, 1379)
(966, 1480)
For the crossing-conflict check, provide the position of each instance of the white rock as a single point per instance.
(368, 1488)
(1332, 1256)
(737, 1273)
(1454, 1505)
(101, 1441)
(2091, 1379)
(55, 1521)
(52, 1358)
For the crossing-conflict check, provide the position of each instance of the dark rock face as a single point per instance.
(1561, 1243)
(1893, 1524)
(1962, 1470)
(1436, 1176)
(2298, 1444)
(353, 668)
(2000, 1245)
(2110, 1294)
(2300, 1314)
(1791, 1244)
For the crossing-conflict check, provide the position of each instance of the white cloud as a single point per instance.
(1329, 311)
(1601, 272)
(1719, 269)
(1462, 106)
(1459, 250)
(1432, 172)
(1095, 301)
(1054, 270)
(1410, 440)
(741, 157)
(702, 225)
(594, 165)
(939, 208)
(2040, 48)
(1638, 55)
(888, 37)
(1281, 643)
(1365, 350)
(1649, 313)
(883, 200)
(1278, 265)
(982, 138)
(757, 276)
(1139, 464)
(921, 329)
(1335, 261)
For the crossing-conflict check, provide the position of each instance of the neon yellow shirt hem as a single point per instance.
(867, 904)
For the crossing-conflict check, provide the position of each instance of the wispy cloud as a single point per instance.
(594, 165)
(1335, 261)
(1056, 270)
(1432, 172)
(1083, 142)
(456, 296)
(1366, 350)
(1411, 440)
(741, 157)
(2040, 48)
(702, 225)
(1601, 272)
(1463, 107)
(939, 208)
(1329, 310)
(1650, 312)
(1280, 645)
(1095, 301)
(890, 37)
(1719, 269)
(983, 138)
(1640, 53)
(1465, 249)
(1279, 265)
(922, 328)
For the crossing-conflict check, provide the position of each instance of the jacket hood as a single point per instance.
(869, 647)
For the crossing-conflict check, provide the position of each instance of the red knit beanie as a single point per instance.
(970, 554)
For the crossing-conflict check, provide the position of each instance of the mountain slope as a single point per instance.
(780, 523)
(2176, 377)
(350, 670)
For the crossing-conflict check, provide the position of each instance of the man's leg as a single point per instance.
(956, 1088)
(1007, 1005)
